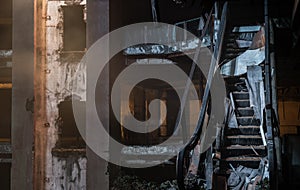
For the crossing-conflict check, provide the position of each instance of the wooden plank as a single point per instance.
(97, 26)
(22, 95)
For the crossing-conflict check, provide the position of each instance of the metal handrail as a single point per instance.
(269, 110)
(184, 154)
(191, 73)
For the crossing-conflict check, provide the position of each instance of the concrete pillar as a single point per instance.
(97, 26)
(22, 95)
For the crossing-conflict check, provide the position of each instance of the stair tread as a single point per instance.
(248, 127)
(244, 136)
(244, 108)
(240, 92)
(242, 103)
(246, 117)
(231, 147)
(243, 130)
(243, 158)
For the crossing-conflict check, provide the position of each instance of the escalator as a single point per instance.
(243, 154)
(242, 142)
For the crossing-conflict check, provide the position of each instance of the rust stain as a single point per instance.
(40, 132)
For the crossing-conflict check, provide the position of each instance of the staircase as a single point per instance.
(242, 145)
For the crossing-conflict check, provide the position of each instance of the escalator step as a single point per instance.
(244, 140)
(248, 120)
(240, 95)
(243, 130)
(242, 103)
(251, 162)
(237, 150)
(247, 111)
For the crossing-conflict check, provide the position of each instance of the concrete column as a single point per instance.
(97, 26)
(22, 95)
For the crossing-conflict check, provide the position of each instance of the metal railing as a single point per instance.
(183, 158)
(270, 119)
(191, 73)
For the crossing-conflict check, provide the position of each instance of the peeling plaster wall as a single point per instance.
(65, 172)
(70, 173)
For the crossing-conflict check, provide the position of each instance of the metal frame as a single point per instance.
(270, 115)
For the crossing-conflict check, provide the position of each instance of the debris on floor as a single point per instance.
(128, 182)
(192, 181)
(169, 185)
(243, 178)
(133, 183)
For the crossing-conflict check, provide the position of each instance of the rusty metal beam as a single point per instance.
(22, 93)
(40, 131)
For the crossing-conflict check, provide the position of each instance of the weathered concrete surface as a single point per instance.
(69, 173)
(22, 92)
(59, 69)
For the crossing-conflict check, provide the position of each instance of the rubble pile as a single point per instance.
(250, 179)
(194, 182)
(135, 183)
